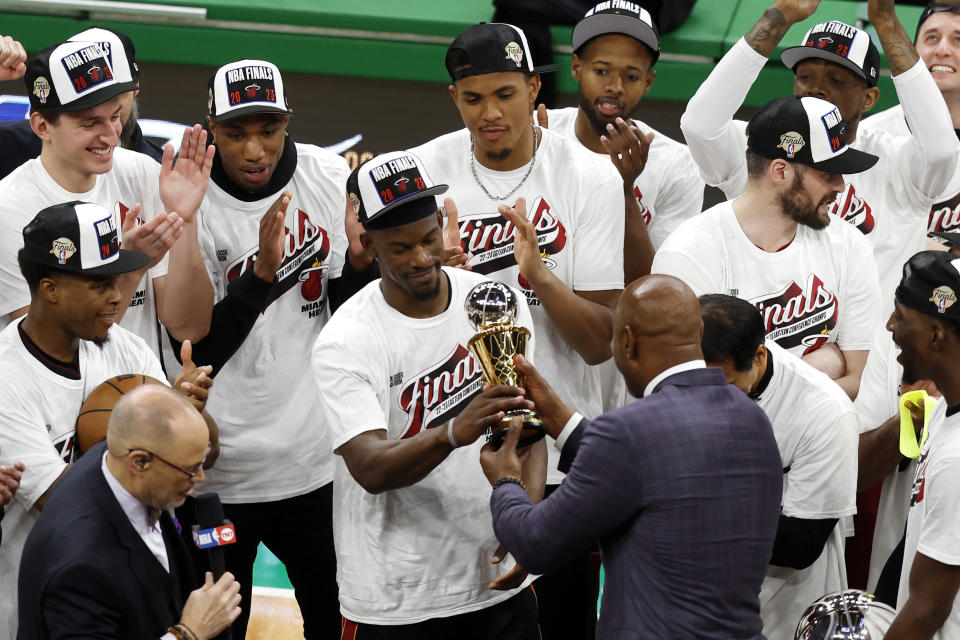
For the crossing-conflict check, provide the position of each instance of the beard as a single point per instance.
(101, 342)
(597, 120)
(497, 156)
(130, 126)
(796, 204)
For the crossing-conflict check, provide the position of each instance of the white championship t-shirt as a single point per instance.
(945, 211)
(668, 191)
(821, 288)
(423, 551)
(816, 430)
(933, 526)
(877, 402)
(134, 179)
(273, 444)
(37, 424)
(575, 199)
(888, 203)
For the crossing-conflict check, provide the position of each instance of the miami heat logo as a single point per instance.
(306, 248)
(488, 237)
(945, 216)
(251, 90)
(853, 209)
(799, 315)
(401, 185)
(438, 394)
(94, 73)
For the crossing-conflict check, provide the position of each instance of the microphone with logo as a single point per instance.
(212, 532)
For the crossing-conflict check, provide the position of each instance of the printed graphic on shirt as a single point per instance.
(799, 315)
(854, 209)
(63, 444)
(140, 295)
(920, 480)
(439, 393)
(945, 216)
(644, 209)
(305, 251)
(488, 239)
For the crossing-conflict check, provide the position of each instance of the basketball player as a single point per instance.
(66, 345)
(406, 405)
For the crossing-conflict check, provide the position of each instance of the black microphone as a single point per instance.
(211, 532)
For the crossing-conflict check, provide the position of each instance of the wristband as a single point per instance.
(909, 446)
(450, 438)
(181, 631)
(509, 480)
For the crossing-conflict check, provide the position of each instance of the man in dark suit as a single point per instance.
(105, 559)
(681, 488)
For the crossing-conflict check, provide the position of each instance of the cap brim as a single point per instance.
(250, 110)
(951, 237)
(605, 24)
(126, 262)
(849, 162)
(98, 97)
(413, 197)
(795, 55)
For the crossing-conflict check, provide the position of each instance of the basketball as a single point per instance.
(95, 412)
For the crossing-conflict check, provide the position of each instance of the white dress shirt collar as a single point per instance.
(677, 368)
(139, 516)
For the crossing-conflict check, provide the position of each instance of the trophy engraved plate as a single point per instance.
(492, 310)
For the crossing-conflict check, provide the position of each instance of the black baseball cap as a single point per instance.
(491, 48)
(949, 237)
(808, 131)
(615, 16)
(80, 237)
(392, 189)
(244, 88)
(933, 8)
(930, 283)
(840, 43)
(121, 54)
(73, 76)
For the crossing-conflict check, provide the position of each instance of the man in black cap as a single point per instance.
(815, 282)
(406, 405)
(926, 327)
(838, 63)
(20, 143)
(53, 357)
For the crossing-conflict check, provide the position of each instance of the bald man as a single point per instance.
(681, 488)
(105, 559)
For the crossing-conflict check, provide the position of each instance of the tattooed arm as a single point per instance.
(901, 55)
(776, 21)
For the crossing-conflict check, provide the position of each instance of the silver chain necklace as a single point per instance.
(533, 162)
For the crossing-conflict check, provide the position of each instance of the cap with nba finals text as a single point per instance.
(392, 189)
(931, 280)
(840, 43)
(246, 87)
(491, 48)
(618, 16)
(121, 54)
(805, 130)
(80, 237)
(73, 76)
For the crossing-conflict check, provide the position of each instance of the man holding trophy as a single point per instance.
(408, 405)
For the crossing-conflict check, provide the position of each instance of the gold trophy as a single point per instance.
(492, 310)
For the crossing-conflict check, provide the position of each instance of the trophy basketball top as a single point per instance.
(845, 615)
(491, 304)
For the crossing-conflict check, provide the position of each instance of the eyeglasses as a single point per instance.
(190, 473)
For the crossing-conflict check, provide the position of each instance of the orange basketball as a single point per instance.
(95, 412)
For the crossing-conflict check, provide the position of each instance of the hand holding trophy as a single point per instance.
(492, 310)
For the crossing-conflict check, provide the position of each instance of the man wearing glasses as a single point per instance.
(105, 558)
(53, 357)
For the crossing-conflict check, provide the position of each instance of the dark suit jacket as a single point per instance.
(86, 573)
(682, 489)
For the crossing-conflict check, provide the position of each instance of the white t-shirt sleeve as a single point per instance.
(696, 265)
(336, 173)
(858, 318)
(717, 142)
(940, 536)
(14, 293)
(876, 401)
(24, 437)
(598, 251)
(930, 155)
(822, 481)
(681, 193)
(348, 393)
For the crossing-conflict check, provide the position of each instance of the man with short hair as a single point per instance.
(814, 281)
(681, 488)
(20, 143)
(816, 431)
(52, 358)
(104, 559)
(838, 63)
(75, 101)
(406, 404)
(925, 326)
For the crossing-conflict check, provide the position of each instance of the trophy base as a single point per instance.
(533, 429)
